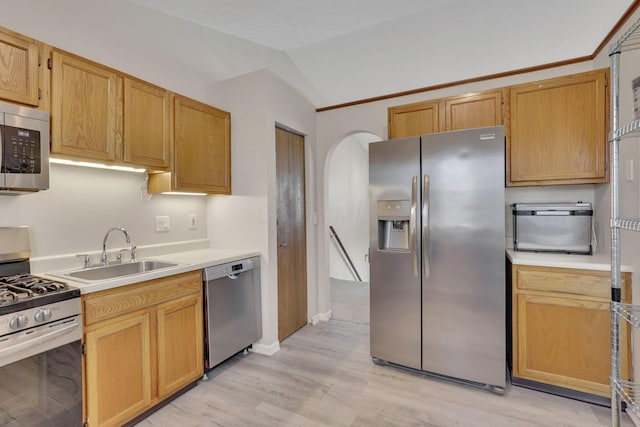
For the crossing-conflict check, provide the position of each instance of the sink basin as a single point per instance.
(117, 270)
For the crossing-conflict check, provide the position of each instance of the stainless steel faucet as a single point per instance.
(103, 259)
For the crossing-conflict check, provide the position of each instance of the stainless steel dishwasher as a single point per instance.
(232, 309)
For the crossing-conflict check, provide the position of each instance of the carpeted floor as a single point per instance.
(350, 301)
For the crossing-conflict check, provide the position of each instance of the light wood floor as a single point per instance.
(323, 376)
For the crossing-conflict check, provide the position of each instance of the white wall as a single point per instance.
(257, 102)
(83, 203)
(348, 205)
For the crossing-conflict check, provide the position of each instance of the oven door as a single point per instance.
(41, 376)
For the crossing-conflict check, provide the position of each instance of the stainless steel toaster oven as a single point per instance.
(552, 227)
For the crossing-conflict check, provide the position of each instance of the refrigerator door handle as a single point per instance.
(425, 226)
(413, 236)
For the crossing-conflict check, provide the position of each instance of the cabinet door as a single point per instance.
(566, 342)
(84, 109)
(180, 343)
(118, 369)
(18, 68)
(202, 148)
(147, 111)
(558, 131)
(414, 119)
(473, 111)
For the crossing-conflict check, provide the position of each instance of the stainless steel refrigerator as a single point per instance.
(437, 251)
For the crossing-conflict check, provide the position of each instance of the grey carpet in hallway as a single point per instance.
(350, 301)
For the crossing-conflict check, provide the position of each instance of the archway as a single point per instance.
(347, 212)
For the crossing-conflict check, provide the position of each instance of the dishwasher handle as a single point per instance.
(231, 270)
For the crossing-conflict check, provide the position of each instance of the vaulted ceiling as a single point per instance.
(354, 49)
(332, 51)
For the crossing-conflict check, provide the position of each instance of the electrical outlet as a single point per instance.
(193, 221)
(162, 223)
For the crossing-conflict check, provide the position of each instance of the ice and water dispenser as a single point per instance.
(393, 225)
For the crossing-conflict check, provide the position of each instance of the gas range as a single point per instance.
(40, 341)
(27, 301)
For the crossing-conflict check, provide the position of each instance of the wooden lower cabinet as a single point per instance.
(180, 343)
(143, 342)
(561, 328)
(118, 369)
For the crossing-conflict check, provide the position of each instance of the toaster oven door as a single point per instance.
(553, 231)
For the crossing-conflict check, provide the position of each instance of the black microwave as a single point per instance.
(24, 149)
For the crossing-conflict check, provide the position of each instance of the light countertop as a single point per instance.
(600, 262)
(186, 261)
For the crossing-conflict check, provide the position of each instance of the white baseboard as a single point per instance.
(266, 349)
(321, 317)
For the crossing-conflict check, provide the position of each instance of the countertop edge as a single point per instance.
(598, 262)
(186, 261)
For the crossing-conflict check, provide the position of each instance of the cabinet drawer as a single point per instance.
(104, 305)
(568, 281)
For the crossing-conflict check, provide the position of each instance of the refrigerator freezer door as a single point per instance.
(463, 296)
(394, 168)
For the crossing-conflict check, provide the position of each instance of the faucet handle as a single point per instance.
(133, 252)
(119, 255)
(87, 259)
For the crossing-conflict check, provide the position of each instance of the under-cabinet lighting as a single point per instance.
(180, 193)
(95, 165)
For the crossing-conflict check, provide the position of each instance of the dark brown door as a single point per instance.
(292, 253)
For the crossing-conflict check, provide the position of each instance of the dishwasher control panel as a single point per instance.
(230, 268)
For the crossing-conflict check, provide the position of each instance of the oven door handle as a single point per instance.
(26, 341)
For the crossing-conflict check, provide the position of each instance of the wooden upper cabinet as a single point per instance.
(85, 118)
(414, 119)
(18, 68)
(202, 151)
(147, 125)
(454, 113)
(473, 111)
(558, 131)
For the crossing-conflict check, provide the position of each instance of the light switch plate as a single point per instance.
(162, 223)
(193, 221)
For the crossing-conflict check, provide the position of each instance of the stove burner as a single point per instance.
(7, 296)
(25, 286)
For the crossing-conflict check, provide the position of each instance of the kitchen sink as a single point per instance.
(115, 271)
